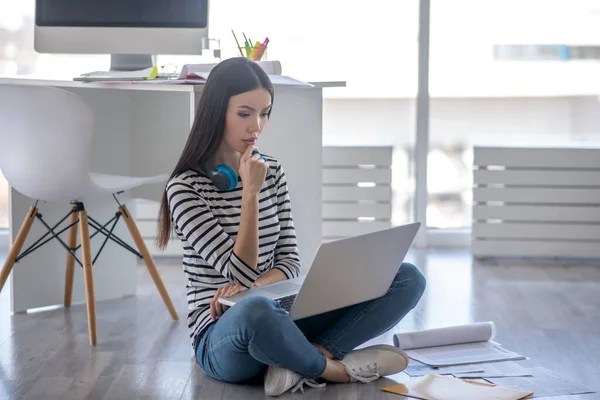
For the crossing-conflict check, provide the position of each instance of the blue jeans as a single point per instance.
(256, 332)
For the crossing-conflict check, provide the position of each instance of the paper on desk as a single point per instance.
(270, 67)
(170, 82)
(199, 78)
(275, 79)
(286, 80)
(543, 383)
(119, 76)
(438, 387)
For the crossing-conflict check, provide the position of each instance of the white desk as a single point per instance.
(141, 130)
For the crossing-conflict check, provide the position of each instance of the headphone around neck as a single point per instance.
(224, 177)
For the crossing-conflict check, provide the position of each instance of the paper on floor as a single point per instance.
(543, 383)
(438, 387)
(455, 345)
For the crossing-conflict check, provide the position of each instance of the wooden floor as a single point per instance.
(549, 313)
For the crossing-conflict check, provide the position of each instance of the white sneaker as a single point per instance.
(371, 363)
(279, 380)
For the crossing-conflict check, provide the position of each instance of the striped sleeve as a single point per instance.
(194, 219)
(287, 258)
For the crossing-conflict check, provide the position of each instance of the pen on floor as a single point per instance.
(238, 43)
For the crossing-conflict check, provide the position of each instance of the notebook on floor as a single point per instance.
(455, 345)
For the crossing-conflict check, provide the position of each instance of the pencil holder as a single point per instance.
(254, 53)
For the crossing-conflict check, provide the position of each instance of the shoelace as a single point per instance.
(308, 382)
(365, 375)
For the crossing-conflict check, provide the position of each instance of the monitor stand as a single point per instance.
(131, 62)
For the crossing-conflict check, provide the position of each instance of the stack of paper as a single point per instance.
(270, 67)
(118, 76)
(440, 358)
(456, 345)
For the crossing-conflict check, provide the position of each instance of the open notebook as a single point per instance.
(455, 345)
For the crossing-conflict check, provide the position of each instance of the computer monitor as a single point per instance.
(131, 31)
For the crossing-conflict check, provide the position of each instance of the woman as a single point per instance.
(243, 237)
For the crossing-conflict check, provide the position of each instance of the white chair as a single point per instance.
(34, 122)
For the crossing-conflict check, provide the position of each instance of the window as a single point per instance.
(483, 90)
(481, 98)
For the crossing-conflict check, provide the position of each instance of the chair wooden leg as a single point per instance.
(17, 245)
(88, 276)
(141, 246)
(70, 271)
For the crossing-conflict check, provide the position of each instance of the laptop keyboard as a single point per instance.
(286, 302)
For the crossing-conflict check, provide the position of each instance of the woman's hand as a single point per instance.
(252, 170)
(217, 309)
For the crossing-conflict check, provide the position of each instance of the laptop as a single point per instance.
(343, 273)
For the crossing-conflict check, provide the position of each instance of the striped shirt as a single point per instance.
(206, 221)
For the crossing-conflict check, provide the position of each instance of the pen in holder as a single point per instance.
(254, 53)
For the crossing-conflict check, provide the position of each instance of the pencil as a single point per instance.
(238, 44)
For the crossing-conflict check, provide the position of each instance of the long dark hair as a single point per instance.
(228, 78)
